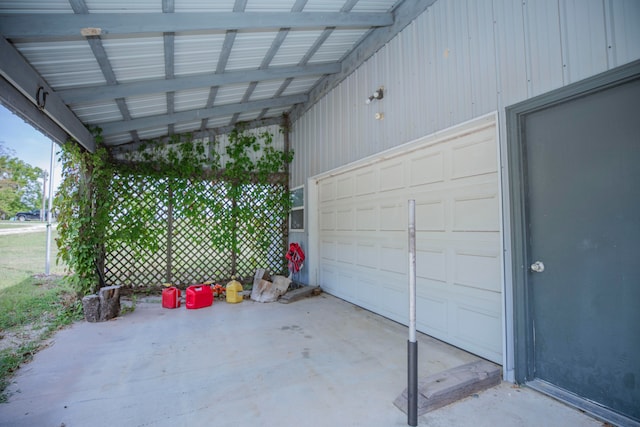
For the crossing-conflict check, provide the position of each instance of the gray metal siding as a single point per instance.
(459, 60)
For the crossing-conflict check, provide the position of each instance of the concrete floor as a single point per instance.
(316, 362)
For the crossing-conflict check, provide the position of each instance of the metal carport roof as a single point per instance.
(147, 69)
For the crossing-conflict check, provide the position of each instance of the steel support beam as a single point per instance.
(37, 25)
(112, 128)
(15, 69)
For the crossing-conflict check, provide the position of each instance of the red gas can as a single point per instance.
(171, 297)
(199, 296)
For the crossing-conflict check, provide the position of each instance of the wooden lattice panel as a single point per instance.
(166, 234)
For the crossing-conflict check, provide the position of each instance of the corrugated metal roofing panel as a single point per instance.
(374, 5)
(277, 111)
(137, 58)
(187, 126)
(152, 133)
(324, 6)
(249, 49)
(337, 45)
(148, 105)
(68, 64)
(204, 5)
(99, 112)
(295, 46)
(117, 139)
(269, 5)
(190, 99)
(250, 115)
(219, 121)
(230, 94)
(196, 53)
(111, 6)
(35, 6)
(300, 85)
(266, 89)
(63, 63)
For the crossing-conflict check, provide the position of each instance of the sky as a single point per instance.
(28, 144)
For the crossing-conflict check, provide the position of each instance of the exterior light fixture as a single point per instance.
(378, 94)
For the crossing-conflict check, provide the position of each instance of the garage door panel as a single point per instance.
(327, 190)
(344, 187)
(392, 176)
(366, 182)
(366, 218)
(392, 217)
(348, 287)
(475, 157)
(427, 169)
(476, 213)
(345, 252)
(345, 219)
(367, 255)
(371, 294)
(327, 220)
(393, 259)
(474, 326)
(431, 264)
(432, 314)
(479, 270)
(430, 215)
(328, 250)
(328, 279)
(455, 184)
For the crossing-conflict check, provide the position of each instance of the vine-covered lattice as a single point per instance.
(179, 213)
(157, 238)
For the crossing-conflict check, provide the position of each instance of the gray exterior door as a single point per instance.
(581, 161)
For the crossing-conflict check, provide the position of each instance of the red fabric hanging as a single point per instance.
(295, 257)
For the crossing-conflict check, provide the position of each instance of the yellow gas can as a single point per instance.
(234, 292)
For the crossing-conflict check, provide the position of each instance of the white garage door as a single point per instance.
(363, 238)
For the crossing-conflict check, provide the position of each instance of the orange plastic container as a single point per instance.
(171, 297)
(199, 296)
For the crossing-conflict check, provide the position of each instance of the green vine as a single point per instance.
(182, 170)
(83, 201)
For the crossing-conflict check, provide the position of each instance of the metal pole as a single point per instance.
(43, 216)
(47, 266)
(412, 345)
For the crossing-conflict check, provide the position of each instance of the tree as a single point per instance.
(19, 185)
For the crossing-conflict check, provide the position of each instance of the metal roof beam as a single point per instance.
(21, 106)
(23, 77)
(203, 113)
(223, 130)
(75, 25)
(123, 90)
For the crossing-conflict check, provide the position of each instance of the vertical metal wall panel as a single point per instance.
(459, 60)
(482, 57)
(545, 49)
(625, 23)
(510, 50)
(584, 34)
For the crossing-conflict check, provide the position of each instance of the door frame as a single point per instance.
(516, 153)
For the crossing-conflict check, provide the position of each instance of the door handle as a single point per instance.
(537, 267)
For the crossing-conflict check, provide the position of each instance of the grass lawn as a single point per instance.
(24, 255)
(32, 305)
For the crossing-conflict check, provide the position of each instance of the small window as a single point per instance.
(296, 216)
